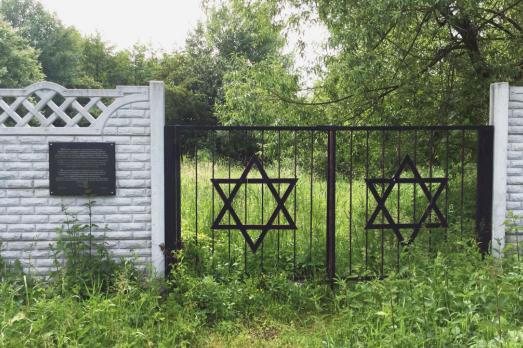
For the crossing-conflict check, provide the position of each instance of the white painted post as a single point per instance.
(157, 107)
(499, 107)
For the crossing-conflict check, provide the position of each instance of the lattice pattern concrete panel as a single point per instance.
(53, 109)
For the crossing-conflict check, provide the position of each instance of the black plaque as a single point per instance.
(77, 169)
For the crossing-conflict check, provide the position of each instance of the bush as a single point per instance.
(82, 261)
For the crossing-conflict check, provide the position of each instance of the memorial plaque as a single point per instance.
(82, 169)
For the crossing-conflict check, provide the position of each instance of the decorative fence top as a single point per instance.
(48, 108)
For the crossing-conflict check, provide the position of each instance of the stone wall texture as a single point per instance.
(515, 163)
(30, 217)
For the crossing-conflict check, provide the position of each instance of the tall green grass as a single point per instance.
(453, 299)
(444, 294)
(302, 252)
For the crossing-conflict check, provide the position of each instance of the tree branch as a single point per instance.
(424, 20)
(499, 26)
(386, 90)
(332, 101)
(384, 36)
(508, 19)
(499, 13)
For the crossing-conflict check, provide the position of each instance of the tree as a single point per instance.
(244, 28)
(253, 95)
(191, 86)
(59, 47)
(144, 63)
(248, 40)
(418, 62)
(96, 61)
(71, 60)
(18, 61)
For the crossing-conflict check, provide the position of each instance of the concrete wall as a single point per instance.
(132, 118)
(506, 114)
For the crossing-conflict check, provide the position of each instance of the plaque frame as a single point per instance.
(62, 184)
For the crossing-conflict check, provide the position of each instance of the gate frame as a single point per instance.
(484, 195)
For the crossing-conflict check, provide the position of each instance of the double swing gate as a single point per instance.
(336, 201)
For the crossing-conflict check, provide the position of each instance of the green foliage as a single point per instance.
(303, 250)
(18, 61)
(452, 299)
(59, 47)
(103, 66)
(386, 62)
(244, 28)
(82, 260)
(252, 95)
(248, 35)
(72, 60)
(10, 271)
(192, 83)
(235, 46)
(418, 62)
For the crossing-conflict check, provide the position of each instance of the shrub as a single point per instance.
(82, 260)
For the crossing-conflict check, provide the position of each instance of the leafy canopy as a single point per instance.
(18, 61)
(418, 62)
(386, 61)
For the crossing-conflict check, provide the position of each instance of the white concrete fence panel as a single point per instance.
(132, 117)
(506, 115)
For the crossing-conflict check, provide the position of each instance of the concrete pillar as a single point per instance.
(157, 102)
(499, 107)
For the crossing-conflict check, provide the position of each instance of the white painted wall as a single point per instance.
(506, 114)
(29, 216)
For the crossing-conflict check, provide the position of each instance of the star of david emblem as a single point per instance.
(441, 183)
(264, 180)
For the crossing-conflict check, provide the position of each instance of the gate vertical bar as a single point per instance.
(177, 155)
(331, 205)
(172, 195)
(169, 196)
(485, 171)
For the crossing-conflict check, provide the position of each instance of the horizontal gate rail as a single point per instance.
(327, 128)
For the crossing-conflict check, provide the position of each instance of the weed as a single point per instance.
(10, 271)
(82, 261)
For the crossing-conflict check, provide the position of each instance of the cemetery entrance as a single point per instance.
(326, 201)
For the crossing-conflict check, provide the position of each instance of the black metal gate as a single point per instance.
(347, 200)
